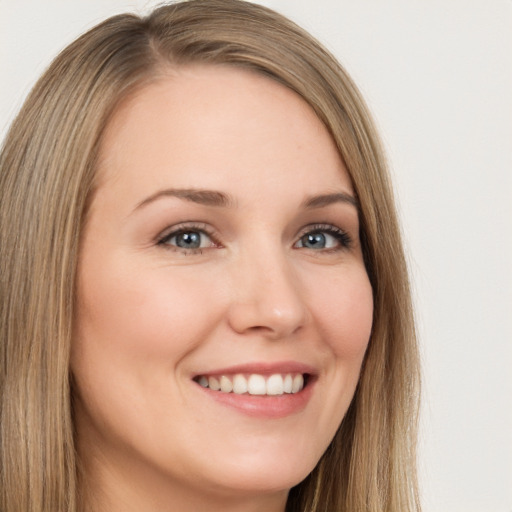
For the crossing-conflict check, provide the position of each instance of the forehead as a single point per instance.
(218, 125)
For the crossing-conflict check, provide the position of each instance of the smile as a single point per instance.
(254, 384)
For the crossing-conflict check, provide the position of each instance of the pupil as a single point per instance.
(314, 240)
(190, 240)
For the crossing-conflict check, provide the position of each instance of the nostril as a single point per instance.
(268, 308)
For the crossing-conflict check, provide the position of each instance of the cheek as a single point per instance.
(342, 305)
(132, 330)
(345, 314)
(142, 314)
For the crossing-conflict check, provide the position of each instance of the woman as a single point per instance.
(205, 303)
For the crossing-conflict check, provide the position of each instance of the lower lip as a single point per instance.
(263, 406)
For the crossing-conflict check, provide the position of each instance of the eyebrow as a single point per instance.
(221, 199)
(324, 200)
(199, 196)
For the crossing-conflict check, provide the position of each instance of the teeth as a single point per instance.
(275, 385)
(255, 384)
(298, 383)
(226, 386)
(239, 385)
(288, 384)
(214, 384)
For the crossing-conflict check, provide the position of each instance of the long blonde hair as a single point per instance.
(47, 171)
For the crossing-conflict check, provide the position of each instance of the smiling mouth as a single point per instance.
(275, 384)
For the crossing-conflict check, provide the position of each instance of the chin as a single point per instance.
(278, 473)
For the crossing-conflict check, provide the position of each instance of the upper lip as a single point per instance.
(262, 368)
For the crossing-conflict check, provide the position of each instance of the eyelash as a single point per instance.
(342, 237)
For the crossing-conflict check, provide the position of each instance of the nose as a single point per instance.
(267, 299)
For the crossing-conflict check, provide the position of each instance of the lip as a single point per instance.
(264, 407)
(262, 368)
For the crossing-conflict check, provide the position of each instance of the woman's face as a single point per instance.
(221, 248)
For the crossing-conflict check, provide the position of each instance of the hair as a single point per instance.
(47, 178)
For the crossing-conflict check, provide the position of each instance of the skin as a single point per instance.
(151, 315)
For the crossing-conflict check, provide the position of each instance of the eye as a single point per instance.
(187, 239)
(324, 237)
(318, 241)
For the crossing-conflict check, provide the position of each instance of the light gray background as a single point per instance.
(438, 77)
